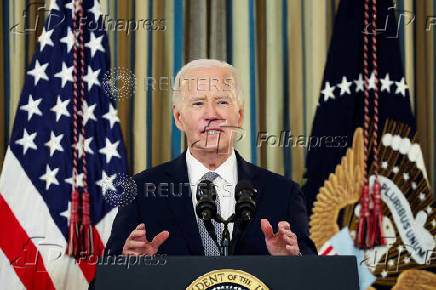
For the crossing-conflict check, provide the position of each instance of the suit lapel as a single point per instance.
(182, 208)
(246, 172)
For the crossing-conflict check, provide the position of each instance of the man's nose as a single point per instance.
(211, 111)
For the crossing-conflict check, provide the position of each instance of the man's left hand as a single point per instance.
(284, 242)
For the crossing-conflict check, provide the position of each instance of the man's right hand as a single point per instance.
(137, 244)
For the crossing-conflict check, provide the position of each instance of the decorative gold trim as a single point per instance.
(217, 277)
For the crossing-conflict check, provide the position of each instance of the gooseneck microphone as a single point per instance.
(245, 201)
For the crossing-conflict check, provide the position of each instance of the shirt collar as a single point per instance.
(228, 170)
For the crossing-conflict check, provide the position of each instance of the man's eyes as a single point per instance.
(219, 102)
(223, 102)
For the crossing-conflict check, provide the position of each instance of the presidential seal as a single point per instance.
(227, 279)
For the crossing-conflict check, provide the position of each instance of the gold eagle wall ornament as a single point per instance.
(416, 279)
(341, 190)
(409, 217)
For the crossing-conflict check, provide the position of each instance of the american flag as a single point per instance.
(36, 180)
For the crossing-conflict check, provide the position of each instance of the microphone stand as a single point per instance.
(225, 237)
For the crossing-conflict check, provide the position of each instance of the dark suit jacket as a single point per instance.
(170, 208)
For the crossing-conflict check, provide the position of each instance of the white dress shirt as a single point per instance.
(225, 183)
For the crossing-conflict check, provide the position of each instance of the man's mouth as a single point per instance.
(213, 131)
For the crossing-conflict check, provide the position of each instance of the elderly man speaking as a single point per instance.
(207, 107)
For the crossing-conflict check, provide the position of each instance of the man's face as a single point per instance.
(208, 111)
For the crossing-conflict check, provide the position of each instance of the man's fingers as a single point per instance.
(137, 234)
(266, 228)
(288, 233)
(289, 241)
(136, 244)
(160, 238)
(138, 231)
(142, 238)
(129, 251)
(285, 232)
(136, 239)
(293, 250)
(284, 225)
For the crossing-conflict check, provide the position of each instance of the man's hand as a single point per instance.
(284, 242)
(137, 244)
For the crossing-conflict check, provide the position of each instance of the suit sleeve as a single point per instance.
(299, 221)
(125, 222)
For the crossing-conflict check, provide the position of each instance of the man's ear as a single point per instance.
(177, 118)
(241, 116)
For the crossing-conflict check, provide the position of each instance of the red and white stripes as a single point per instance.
(34, 247)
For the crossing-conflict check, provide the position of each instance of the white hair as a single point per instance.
(207, 63)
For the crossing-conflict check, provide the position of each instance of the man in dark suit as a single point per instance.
(162, 219)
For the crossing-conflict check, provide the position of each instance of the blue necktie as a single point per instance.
(210, 248)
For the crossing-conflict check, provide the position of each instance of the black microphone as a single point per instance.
(245, 201)
(206, 195)
(206, 208)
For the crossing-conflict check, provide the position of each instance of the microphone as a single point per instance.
(245, 204)
(206, 195)
(206, 208)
